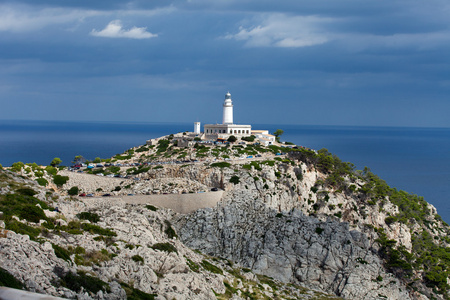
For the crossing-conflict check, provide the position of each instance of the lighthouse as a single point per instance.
(227, 110)
(227, 128)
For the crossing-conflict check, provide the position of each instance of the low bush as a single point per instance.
(235, 179)
(169, 230)
(192, 265)
(211, 268)
(24, 207)
(61, 252)
(26, 191)
(138, 259)
(151, 207)
(76, 282)
(222, 164)
(135, 294)
(8, 280)
(98, 230)
(20, 228)
(60, 180)
(42, 181)
(73, 191)
(164, 247)
(91, 217)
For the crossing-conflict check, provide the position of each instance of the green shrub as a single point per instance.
(60, 180)
(169, 230)
(192, 265)
(135, 294)
(162, 145)
(73, 191)
(164, 247)
(8, 280)
(20, 228)
(17, 166)
(84, 258)
(138, 258)
(61, 252)
(26, 192)
(91, 217)
(319, 230)
(211, 268)
(222, 164)
(151, 207)
(97, 229)
(42, 181)
(142, 149)
(390, 220)
(234, 179)
(51, 170)
(76, 282)
(248, 138)
(24, 207)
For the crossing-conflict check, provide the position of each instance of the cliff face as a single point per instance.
(103, 248)
(288, 226)
(284, 221)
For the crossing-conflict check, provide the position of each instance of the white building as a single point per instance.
(227, 128)
(264, 137)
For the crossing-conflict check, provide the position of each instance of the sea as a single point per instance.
(416, 160)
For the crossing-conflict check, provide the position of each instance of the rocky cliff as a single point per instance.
(300, 225)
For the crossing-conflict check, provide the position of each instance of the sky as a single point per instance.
(328, 62)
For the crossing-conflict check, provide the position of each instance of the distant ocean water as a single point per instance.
(416, 160)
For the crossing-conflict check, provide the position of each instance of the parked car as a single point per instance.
(90, 195)
(82, 195)
(106, 195)
(214, 189)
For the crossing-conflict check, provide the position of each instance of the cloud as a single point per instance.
(20, 18)
(115, 30)
(280, 30)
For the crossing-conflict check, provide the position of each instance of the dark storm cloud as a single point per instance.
(330, 62)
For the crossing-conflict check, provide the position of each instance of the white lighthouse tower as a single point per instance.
(227, 110)
(197, 127)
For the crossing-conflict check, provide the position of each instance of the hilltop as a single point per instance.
(291, 223)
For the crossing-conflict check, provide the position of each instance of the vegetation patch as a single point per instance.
(169, 230)
(8, 280)
(192, 265)
(42, 181)
(91, 217)
(135, 294)
(61, 253)
(211, 268)
(151, 207)
(167, 247)
(90, 258)
(23, 206)
(222, 164)
(77, 281)
(234, 179)
(73, 191)
(138, 259)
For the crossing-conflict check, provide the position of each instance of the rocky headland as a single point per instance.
(291, 224)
